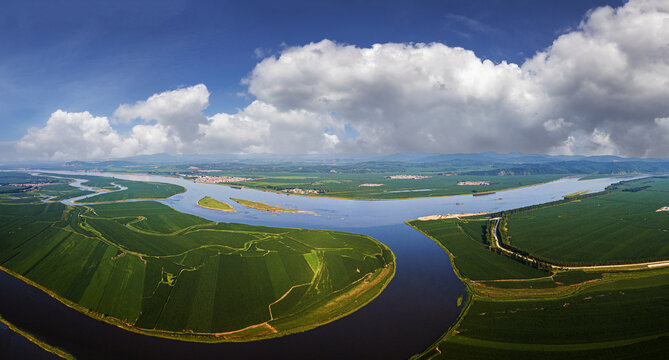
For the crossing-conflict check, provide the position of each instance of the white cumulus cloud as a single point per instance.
(261, 127)
(405, 97)
(599, 89)
(611, 75)
(73, 135)
(178, 111)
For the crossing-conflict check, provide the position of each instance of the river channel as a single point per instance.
(416, 308)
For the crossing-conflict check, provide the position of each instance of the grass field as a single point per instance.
(622, 226)
(267, 208)
(211, 203)
(576, 314)
(148, 268)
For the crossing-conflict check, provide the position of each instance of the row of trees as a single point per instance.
(517, 254)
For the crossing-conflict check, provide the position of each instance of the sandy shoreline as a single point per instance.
(450, 216)
(219, 209)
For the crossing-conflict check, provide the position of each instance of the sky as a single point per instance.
(82, 80)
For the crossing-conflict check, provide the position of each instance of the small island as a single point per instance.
(268, 208)
(211, 203)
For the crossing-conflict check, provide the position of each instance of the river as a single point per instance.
(416, 308)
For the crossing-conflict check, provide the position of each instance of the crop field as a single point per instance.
(621, 316)
(352, 186)
(576, 314)
(211, 203)
(148, 268)
(621, 226)
(601, 313)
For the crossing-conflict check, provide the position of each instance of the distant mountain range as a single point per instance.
(510, 158)
(579, 167)
(488, 163)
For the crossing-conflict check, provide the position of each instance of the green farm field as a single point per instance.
(150, 269)
(621, 226)
(621, 316)
(597, 313)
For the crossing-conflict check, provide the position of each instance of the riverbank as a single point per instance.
(35, 340)
(138, 266)
(450, 216)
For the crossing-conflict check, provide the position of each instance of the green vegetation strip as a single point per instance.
(211, 203)
(150, 269)
(268, 208)
(35, 340)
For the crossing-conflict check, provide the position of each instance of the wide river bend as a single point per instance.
(416, 308)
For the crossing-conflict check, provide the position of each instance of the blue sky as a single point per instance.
(94, 56)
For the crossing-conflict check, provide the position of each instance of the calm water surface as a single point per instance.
(416, 308)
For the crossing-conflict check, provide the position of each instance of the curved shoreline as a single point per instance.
(367, 288)
(35, 340)
(222, 337)
(199, 203)
(213, 208)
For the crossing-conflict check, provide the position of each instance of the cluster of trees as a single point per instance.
(14, 189)
(552, 203)
(636, 189)
(537, 264)
(621, 184)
